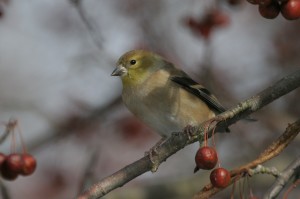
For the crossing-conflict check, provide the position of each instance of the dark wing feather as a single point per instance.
(202, 93)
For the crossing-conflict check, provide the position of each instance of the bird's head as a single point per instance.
(137, 65)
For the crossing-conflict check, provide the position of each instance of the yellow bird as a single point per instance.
(161, 95)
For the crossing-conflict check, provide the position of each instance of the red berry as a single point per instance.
(270, 11)
(220, 178)
(234, 2)
(11, 166)
(8, 175)
(291, 9)
(2, 158)
(13, 163)
(253, 1)
(264, 2)
(206, 158)
(218, 18)
(29, 164)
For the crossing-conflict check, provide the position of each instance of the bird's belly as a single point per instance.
(162, 122)
(166, 118)
(166, 109)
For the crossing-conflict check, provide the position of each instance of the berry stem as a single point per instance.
(10, 126)
(13, 141)
(206, 133)
(22, 140)
(213, 138)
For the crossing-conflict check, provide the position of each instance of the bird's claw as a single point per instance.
(216, 120)
(189, 130)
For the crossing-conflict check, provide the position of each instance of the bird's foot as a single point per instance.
(189, 131)
(216, 120)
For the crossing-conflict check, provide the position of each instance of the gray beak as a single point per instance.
(119, 71)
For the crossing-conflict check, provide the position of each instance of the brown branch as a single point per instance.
(290, 189)
(272, 151)
(179, 140)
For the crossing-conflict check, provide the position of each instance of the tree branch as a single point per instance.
(179, 140)
(283, 179)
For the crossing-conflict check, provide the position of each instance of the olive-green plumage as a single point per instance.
(162, 96)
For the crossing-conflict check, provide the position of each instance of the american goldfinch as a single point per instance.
(161, 95)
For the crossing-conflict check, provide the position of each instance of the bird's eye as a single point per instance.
(132, 62)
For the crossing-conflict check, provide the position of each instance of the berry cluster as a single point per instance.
(270, 9)
(203, 27)
(16, 164)
(207, 158)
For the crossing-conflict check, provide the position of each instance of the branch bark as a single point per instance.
(283, 179)
(179, 140)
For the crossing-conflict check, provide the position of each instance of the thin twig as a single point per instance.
(96, 37)
(259, 169)
(4, 136)
(9, 127)
(87, 178)
(290, 189)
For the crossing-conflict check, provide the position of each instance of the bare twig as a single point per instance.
(87, 178)
(96, 37)
(4, 136)
(290, 189)
(259, 169)
(9, 128)
(180, 140)
(283, 179)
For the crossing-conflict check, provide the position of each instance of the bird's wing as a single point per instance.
(199, 91)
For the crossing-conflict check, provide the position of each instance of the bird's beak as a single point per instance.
(119, 71)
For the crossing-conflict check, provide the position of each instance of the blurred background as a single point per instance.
(56, 57)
